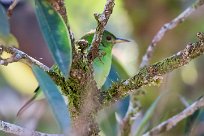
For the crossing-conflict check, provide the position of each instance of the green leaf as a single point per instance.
(55, 34)
(4, 25)
(54, 98)
(149, 113)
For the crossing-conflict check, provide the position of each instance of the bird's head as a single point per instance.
(110, 39)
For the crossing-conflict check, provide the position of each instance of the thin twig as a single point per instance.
(18, 55)
(151, 75)
(19, 131)
(173, 121)
(102, 20)
(11, 7)
(166, 27)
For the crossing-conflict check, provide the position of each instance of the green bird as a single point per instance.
(101, 64)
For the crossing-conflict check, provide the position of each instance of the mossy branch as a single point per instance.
(153, 74)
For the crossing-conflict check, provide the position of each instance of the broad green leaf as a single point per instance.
(55, 34)
(4, 25)
(149, 113)
(54, 98)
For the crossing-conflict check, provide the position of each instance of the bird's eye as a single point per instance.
(108, 38)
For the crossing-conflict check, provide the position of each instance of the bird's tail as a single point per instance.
(28, 103)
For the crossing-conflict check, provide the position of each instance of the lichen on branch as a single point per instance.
(153, 73)
(102, 20)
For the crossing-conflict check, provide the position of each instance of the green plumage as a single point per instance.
(101, 64)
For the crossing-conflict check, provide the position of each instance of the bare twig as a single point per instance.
(173, 121)
(17, 130)
(151, 75)
(102, 20)
(18, 55)
(11, 7)
(166, 27)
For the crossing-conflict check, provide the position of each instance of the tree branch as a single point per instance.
(153, 74)
(173, 121)
(168, 26)
(18, 55)
(17, 130)
(85, 123)
(102, 20)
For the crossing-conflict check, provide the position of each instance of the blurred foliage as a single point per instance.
(133, 19)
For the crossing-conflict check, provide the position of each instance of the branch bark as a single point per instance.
(17, 130)
(85, 123)
(173, 121)
(18, 55)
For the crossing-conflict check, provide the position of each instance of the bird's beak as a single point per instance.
(120, 40)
